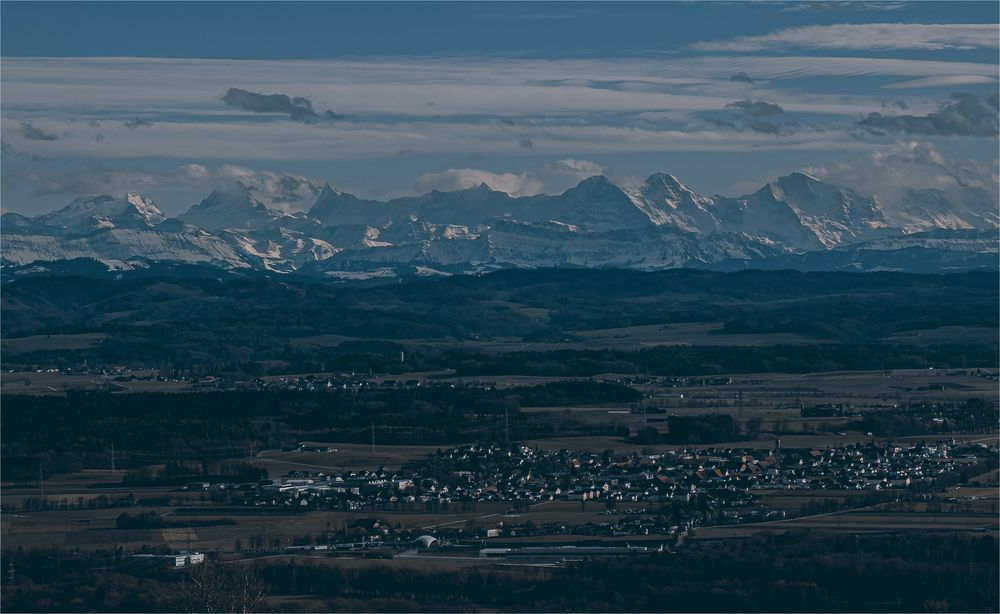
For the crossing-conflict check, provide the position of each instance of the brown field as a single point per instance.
(57, 383)
(625, 338)
(948, 334)
(96, 528)
(651, 335)
(51, 342)
(861, 522)
(344, 456)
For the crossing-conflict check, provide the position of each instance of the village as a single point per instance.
(663, 494)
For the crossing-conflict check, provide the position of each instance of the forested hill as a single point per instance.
(287, 323)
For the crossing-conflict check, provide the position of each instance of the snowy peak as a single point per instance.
(333, 207)
(594, 204)
(236, 209)
(833, 215)
(596, 186)
(88, 213)
(145, 208)
(658, 224)
(929, 209)
(469, 207)
(666, 182)
(668, 202)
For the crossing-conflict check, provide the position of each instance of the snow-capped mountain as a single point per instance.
(236, 209)
(666, 201)
(659, 224)
(89, 213)
(929, 209)
(802, 211)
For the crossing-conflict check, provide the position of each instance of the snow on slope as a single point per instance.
(89, 213)
(659, 224)
(236, 209)
(122, 245)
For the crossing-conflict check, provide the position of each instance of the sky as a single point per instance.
(386, 99)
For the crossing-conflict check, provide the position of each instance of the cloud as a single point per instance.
(816, 5)
(899, 104)
(298, 108)
(102, 180)
(36, 134)
(134, 123)
(280, 190)
(568, 166)
(755, 108)
(750, 114)
(721, 123)
(463, 178)
(763, 127)
(942, 81)
(965, 115)
(9, 151)
(931, 37)
(913, 165)
(570, 117)
(741, 76)
(526, 144)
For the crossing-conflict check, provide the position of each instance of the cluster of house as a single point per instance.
(341, 381)
(723, 484)
(176, 560)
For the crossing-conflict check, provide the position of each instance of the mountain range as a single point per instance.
(795, 221)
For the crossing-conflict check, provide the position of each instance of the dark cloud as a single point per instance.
(819, 5)
(507, 122)
(994, 101)
(899, 104)
(136, 122)
(526, 144)
(9, 151)
(37, 134)
(94, 123)
(720, 123)
(287, 189)
(755, 108)
(277, 189)
(297, 108)
(741, 76)
(763, 126)
(964, 115)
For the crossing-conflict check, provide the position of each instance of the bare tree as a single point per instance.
(214, 588)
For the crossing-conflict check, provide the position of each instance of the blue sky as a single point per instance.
(175, 99)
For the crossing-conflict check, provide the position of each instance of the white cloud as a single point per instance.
(942, 81)
(280, 190)
(906, 165)
(581, 168)
(563, 107)
(282, 141)
(168, 89)
(463, 178)
(931, 37)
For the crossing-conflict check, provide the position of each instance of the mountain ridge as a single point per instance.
(660, 224)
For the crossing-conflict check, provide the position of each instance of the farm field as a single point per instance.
(342, 456)
(46, 383)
